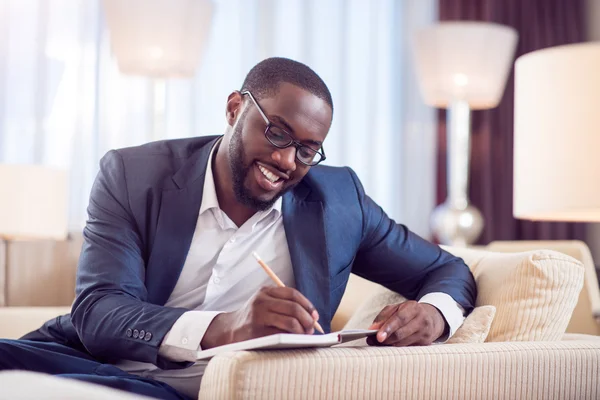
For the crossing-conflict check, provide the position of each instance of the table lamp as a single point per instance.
(461, 66)
(33, 205)
(557, 134)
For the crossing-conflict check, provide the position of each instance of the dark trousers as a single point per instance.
(60, 360)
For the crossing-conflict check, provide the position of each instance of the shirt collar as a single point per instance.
(209, 193)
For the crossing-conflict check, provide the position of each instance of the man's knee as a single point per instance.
(5, 346)
(8, 349)
(46, 357)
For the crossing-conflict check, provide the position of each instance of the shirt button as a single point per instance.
(128, 332)
(136, 333)
(232, 240)
(148, 336)
(216, 280)
(142, 333)
(184, 340)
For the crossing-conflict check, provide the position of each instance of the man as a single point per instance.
(166, 267)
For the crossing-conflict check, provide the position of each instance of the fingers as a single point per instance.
(270, 311)
(286, 324)
(291, 316)
(410, 323)
(409, 334)
(286, 293)
(285, 309)
(383, 316)
(403, 314)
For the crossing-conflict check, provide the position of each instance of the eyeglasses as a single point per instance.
(282, 139)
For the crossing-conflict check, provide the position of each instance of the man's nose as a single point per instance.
(286, 159)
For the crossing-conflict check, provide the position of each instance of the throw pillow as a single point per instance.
(534, 292)
(476, 327)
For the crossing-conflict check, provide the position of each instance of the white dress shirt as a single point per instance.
(220, 275)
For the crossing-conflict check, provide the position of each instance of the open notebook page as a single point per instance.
(288, 341)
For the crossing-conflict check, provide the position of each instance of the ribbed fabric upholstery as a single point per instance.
(511, 371)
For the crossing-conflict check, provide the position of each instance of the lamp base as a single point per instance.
(456, 226)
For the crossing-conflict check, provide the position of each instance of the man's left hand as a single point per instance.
(407, 324)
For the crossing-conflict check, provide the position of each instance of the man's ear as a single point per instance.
(234, 107)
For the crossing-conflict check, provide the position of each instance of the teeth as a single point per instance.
(270, 176)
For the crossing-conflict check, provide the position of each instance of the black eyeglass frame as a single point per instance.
(291, 142)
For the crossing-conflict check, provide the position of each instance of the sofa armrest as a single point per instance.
(508, 370)
(17, 321)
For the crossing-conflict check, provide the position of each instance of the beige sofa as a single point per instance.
(561, 369)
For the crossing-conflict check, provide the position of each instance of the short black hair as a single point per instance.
(264, 78)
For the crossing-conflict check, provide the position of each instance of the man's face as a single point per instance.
(262, 172)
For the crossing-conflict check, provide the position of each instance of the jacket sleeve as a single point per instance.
(393, 256)
(110, 313)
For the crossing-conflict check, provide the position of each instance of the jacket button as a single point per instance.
(148, 336)
(136, 333)
(142, 333)
(128, 332)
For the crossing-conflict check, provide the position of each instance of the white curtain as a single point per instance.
(64, 103)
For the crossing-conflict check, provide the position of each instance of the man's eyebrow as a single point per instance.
(283, 122)
(290, 130)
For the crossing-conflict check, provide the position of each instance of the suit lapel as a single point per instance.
(305, 232)
(303, 222)
(177, 220)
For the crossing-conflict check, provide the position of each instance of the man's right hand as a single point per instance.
(272, 310)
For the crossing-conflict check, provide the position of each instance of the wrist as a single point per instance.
(217, 333)
(440, 326)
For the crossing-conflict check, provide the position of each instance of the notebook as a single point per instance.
(288, 341)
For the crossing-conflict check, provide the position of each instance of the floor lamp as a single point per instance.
(159, 39)
(461, 66)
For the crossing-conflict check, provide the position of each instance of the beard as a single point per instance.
(240, 170)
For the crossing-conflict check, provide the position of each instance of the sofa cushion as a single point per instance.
(534, 292)
(474, 330)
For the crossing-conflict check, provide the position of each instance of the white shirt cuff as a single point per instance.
(183, 340)
(452, 312)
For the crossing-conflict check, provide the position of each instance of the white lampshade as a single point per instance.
(557, 134)
(33, 202)
(158, 38)
(467, 61)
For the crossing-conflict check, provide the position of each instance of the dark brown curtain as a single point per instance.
(540, 24)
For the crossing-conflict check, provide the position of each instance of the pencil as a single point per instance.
(276, 279)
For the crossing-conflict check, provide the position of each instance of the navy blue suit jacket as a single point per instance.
(142, 215)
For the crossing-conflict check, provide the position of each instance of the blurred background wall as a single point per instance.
(63, 101)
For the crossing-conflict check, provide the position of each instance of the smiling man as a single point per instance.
(259, 175)
(166, 267)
